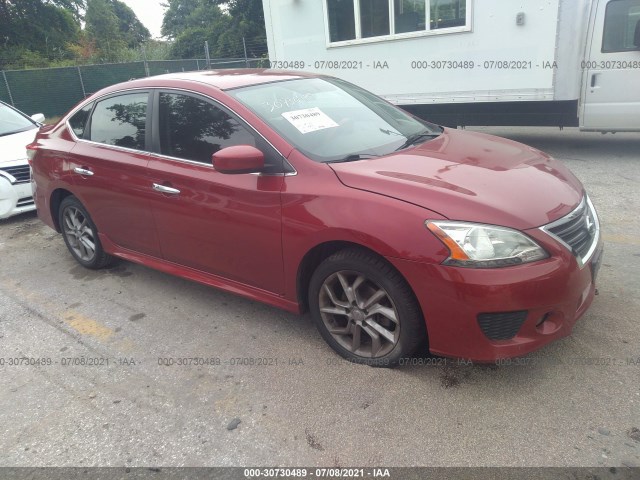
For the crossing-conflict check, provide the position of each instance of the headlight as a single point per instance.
(484, 246)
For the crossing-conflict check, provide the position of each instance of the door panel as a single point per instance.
(612, 91)
(227, 225)
(109, 170)
(117, 195)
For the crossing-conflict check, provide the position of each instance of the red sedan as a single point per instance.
(308, 193)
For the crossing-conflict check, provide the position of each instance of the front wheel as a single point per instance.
(364, 309)
(81, 235)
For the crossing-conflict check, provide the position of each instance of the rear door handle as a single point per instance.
(83, 171)
(164, 189)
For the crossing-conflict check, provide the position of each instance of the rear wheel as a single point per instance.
(364, 309)
(81, 235)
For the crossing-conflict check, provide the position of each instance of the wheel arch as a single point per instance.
(57, 196)
(316, 255)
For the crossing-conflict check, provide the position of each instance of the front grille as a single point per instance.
(21, 173)
(578, 231)
(26, 201)
(501, 326)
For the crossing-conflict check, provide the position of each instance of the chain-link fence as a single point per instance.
(53, 91)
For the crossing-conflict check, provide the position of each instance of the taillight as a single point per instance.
(31, 152)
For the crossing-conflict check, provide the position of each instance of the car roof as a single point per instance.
(223, 79)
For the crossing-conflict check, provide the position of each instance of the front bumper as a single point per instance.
(15, 198)
(557, 290)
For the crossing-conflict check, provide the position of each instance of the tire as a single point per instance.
(81, 235)
(376, 319)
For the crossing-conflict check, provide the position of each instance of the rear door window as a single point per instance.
(121, 121)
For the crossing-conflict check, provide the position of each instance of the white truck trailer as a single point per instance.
(474, 62)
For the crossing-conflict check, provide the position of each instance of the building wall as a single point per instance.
(296, 31)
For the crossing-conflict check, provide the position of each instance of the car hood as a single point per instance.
(474, 177)
(13, 147)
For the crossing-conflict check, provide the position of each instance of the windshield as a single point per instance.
(331, 120)
(13, 122)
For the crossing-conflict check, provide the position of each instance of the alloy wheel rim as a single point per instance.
(359, 314)
(79, 234)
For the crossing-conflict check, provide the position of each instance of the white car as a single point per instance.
(17, 130)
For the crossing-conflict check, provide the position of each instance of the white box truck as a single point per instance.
(474, 62)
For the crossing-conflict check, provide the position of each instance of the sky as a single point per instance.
(149, 12)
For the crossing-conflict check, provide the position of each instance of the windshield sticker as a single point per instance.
(295, 99)
(309, 120)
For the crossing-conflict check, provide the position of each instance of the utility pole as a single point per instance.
(84, 92)
(206, 54)
(144, 56)
(246, 59)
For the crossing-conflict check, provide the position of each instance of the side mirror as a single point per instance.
(38, 118)
(238, 159)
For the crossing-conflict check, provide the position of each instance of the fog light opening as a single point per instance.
(550, 323)
(543, 319)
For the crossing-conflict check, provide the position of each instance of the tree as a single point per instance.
(133, 30)
(42, 33)
(178, 17)
(103, 28)
(192, 22)
(113, 27)
(247, 22)
(36, 32)
(75, 7)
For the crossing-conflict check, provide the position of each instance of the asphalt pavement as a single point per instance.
(132, 367)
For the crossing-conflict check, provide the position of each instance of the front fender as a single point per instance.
(321, 210)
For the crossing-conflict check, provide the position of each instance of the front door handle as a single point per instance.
(164, 189)
(83, 171)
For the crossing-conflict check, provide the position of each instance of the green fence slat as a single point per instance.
(52, 91)
(4, 93)
(159, 67)
(97, 77)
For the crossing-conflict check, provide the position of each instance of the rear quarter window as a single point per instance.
(78, 121)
